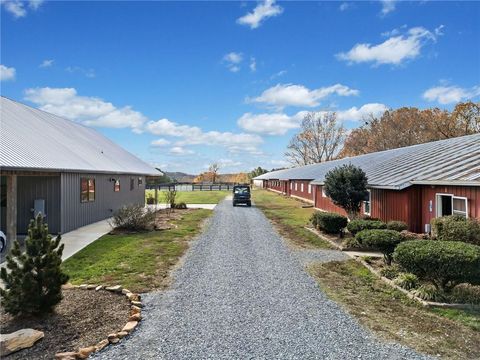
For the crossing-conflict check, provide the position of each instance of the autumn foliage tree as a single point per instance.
(410, 126)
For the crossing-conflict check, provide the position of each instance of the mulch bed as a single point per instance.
(83, 318)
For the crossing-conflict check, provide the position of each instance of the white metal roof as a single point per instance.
(451, 161)
(31, 139)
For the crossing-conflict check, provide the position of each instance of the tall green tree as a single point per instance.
(346, 186)
(34, 280)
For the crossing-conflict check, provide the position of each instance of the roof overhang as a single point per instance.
(447, 182)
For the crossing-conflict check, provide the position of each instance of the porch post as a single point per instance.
(11, 210)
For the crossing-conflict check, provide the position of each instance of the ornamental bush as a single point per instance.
(133, 218)
(466, 294)
(406, 281)
(34, 280)
(443, 263)
(381, 240)
(331, 223)
(397, 225)
(355, 226)
(456, 228)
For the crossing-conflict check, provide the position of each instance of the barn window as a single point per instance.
(140, 181)
(366, 204)
(447, 204)
(309, 188)
(291, 185)
(132, 184)
(116, 186)
(323, 192)
(301, 187)
(87, 190)
(296, 186)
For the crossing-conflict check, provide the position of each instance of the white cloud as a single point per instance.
(7, 73)
(282, 95)
(270, 124)
(344, 6)
(357, 114)
(90, 111)
(253, 64)
(90, 73)
(160, 142)
(394, 50)
(450, 94)
(227, 163)
(193, 135)
(262, 11)
(388, 6)
(180, 151)
(17, 7)
(278, 74)
(232, 61)
(46, 63)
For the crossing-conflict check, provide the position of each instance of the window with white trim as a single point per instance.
(291, 185)
(323, 192)
(460, 206)
(309, 188)
(301, 187)
(448, 204)
(367, 204)
(296, 186)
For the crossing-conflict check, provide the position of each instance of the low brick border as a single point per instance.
(391, 283)
(114, 338)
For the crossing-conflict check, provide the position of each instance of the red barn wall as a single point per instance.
(302, 194)
(325, 204)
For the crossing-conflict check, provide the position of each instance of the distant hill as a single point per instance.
(180, 176)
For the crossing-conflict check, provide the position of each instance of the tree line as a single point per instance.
(323, 137)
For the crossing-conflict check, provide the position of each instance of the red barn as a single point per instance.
(413, 184)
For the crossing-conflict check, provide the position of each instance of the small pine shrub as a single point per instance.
(443, 263)
(397, 225)
(390, 272)
(466, 294)
(382, 240)
(429, 292)
(181, 206)
(358, 225)
(407, 281)
(33, 285)
(331, 223)
(456, 228)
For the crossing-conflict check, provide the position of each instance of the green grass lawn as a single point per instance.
(289, 217)
(452, 334)
(140, 261)
(194, 197)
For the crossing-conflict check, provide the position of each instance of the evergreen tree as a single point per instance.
(33, 285)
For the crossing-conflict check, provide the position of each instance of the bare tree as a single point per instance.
(213, 170)
(319, 140)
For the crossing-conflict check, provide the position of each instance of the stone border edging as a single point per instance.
(391, 283)
(114, 338)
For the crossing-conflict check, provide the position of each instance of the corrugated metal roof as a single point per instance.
(32, 139)
(450, 161)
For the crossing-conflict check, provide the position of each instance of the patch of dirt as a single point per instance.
(81, 319)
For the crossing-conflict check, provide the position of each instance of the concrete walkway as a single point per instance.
(77, 239)
(189, 206)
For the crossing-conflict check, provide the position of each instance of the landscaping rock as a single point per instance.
(66, 356)
(135, 317)
(135, 310)
(114, 340)
(122, 334)
(137, 303)
(130, 326)
(84, 353)
(133, 297)
(91, 287)
(19, 340)
(101, 345)
(69, 286)
(126, 291)
(83, 286)
(116, 288)
(99, 287)
(111, 336)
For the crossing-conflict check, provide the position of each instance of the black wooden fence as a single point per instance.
(191, 187)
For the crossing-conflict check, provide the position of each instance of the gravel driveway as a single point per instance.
(242, 294)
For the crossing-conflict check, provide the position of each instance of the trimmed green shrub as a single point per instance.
(428, 292)
(456, 228)
(331, 223)
(408, 235)
(407, 281)
(397, 225)
(351, 243)
(381, 240)
(443, 263)
(356, 226)
(390, 272)
(466, 294)
(181, 206)
(133, 218)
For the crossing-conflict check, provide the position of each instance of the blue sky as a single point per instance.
(185, 84)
